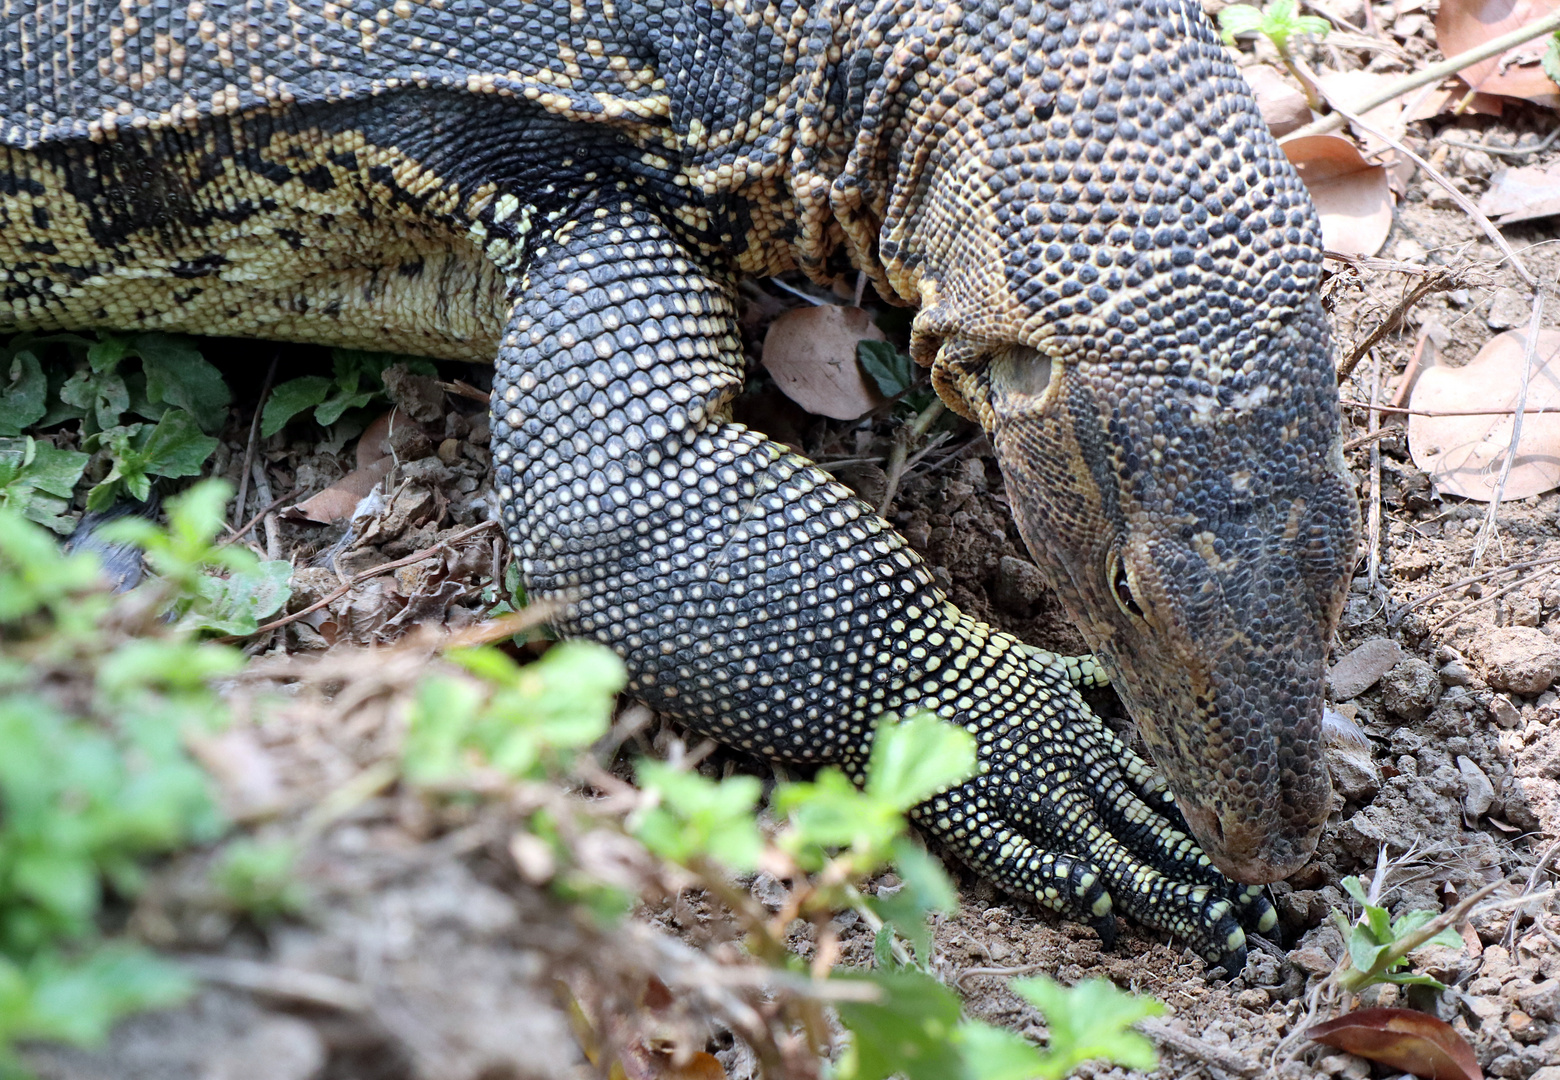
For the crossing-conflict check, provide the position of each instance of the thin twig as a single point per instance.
(1218, 1057)
(364, 575)
(1487, 529)
(461, 388)
(1462, 200)
(1503, 151)
(1403, 411)
(287, 984)
(1374, 437)
(239, 534)
(794, 291)
(1373, 424)
(1440, 281)
(254, 440)
(1512, 568)
(897, 457)
(1532, 885)
(1433, 73)
(1488, 598)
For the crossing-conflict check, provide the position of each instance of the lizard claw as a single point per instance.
(1064, 814)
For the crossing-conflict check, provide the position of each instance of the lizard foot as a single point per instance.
(1064, 814)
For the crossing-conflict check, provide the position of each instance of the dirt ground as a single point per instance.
(423, 954)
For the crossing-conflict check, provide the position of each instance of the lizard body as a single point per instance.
(1116, 273)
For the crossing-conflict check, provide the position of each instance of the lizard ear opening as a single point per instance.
(1021, 372)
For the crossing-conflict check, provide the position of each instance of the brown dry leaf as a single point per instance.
(811, 352)
(1414, 1042)
(1353, 197)
(374, 443)
(337, 502)
(1347, 86)
(1532, 191)
(1461, 25)
(1282, 103)
(1463, 454)
(640, 1062)
(1439, 100)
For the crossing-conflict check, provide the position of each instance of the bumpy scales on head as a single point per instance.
(1116, 271)
(1133, 315)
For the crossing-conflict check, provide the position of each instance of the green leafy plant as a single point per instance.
(357, 380)
(173, 375)
(1551, 58)
(1379, 944)
(891, 370)
(259, 878)
(97, 697)
(184, 558)
(914, 1029)
(836, 832)
(524, 721)
(1279, 21)
(149, 402)
(36, 480)
(173, 447)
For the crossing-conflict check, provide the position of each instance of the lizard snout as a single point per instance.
(1247, 851)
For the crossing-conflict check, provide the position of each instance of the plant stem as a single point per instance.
(1434, 73)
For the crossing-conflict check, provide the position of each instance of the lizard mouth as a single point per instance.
(1246, 851)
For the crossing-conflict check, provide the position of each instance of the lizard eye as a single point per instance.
(1122, 587)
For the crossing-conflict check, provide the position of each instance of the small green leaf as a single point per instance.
(927, 888)
(1238, 19)
(176, 446)
(290, 398)
(907, 1031)
(38, 479)
(105, 354)
(23, 391)
(992, 1053)
(236, 604)
(700, 818)
(1364, 950)
(1092, 1020)
(1410, 978)
(102, 396)
(1551, 58)
(178, 375)
(918, 757)
(443, 714)
(893, 371)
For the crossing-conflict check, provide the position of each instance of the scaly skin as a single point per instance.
(1116, 271)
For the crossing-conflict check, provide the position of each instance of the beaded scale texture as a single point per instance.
(1116, 272)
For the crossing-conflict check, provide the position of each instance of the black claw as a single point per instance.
(1106, 928)
(1229, 965)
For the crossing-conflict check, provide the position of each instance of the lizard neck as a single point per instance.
(862, 134)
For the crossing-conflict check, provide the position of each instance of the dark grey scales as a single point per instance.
(1116, 271)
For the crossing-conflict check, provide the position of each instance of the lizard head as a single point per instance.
(1118, 273)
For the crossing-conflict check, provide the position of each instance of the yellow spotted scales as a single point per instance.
(1116, 272)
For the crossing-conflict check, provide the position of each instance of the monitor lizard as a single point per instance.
(1116, 272)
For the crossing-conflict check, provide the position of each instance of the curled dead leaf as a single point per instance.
(1282, 103)
(1461, 25)
(1463, 454)
(1414, 1042)
(811, 352)
(1522, 194)
(337, 502)
(1353, 197)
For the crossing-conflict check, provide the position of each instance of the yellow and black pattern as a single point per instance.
(758, 601)
(1116, 273)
